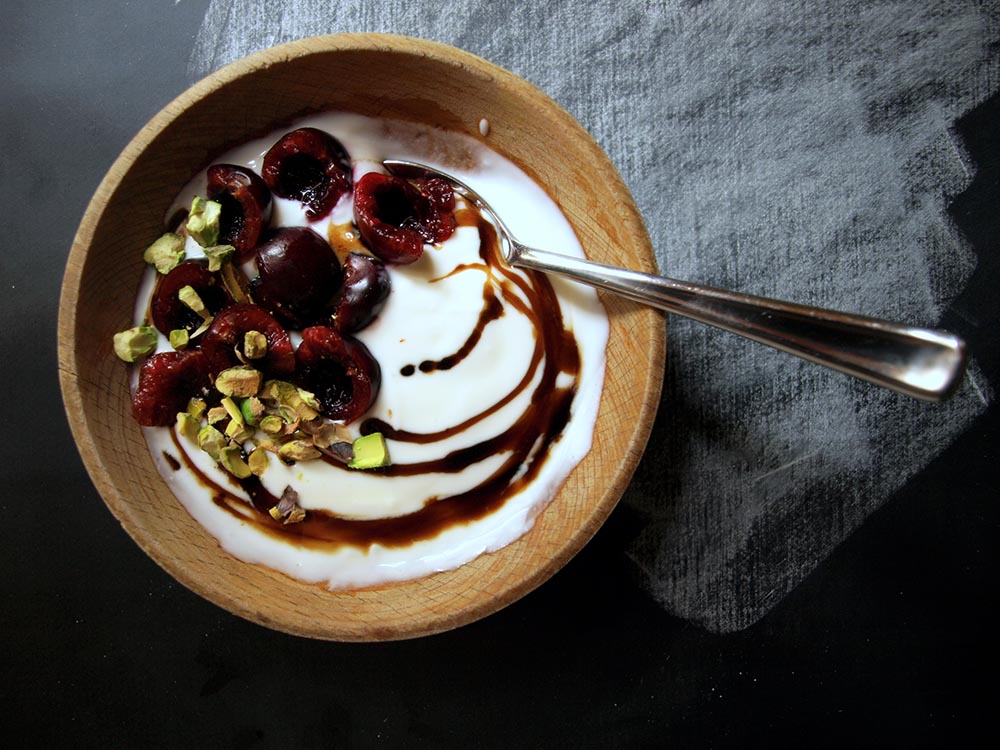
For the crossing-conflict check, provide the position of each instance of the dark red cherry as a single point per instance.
(245, 200)
(339, 370)
(363, 294)
(169, 313)
(167, 381)
(395, 218)
(299, 275)
(310, 166)
(226, 335)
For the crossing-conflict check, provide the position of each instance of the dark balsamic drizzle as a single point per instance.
(525, 444)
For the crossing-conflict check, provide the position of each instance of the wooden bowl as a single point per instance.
(385, 76)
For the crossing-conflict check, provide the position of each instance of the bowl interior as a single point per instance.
(381, 76)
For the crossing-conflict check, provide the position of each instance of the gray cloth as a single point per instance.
(797, 150)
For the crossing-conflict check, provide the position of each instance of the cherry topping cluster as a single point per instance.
(220, 321)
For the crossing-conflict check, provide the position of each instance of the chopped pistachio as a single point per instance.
(203, 221)
(298, 450)
(272, 424)
(237, 432)
(211, 441)
(179, 338)
(190, 298)
(188, 426)
(309, 399)
(134, 343)
(252, 410)
(257, 461)
(287, 510)
(238, 381)
(343, 452)
(290, 402)
(196, 407)
(232, 410)
(326, 434)
(216, 414)
(235, 282)
(165, 253)
(217, 255)
(206, 322)
(254, 344)
(370, 452)
(233, 462)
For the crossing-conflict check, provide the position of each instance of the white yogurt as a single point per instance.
(429, 315)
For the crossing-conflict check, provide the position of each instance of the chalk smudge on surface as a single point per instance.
(801, 151)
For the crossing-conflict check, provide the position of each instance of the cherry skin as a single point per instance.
(227, 332)
(395, 218)
(339, 371)
(310, 166)
(245, 200)
(363, 294)
(167, 381)
(299, 275)
(169, 313)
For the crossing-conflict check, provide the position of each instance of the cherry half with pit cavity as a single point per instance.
(395, 218)
(310, 166)
(245, 200)
(339, 371)
(167, 381)
(167, 310)
(225, 337)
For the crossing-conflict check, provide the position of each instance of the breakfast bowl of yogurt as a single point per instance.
(312, 390)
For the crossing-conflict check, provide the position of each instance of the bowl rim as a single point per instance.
(73, 397)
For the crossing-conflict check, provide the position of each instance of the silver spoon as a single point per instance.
(919, 362)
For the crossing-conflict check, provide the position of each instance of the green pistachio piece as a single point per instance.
(257, 461)
(188, 426)
(272, 424)
(134, 343)
(252, 410)
(237, 432)
(203, 221)
(298, 450)
(254, 344)
(196, 407)
(370, 452)
(232, 410)
(165, 253)
(217, 255)
(238, 381)
(179, 338)
(309, 399)
(211, 441)
(216, 414)
(190, 298)
(233, 462)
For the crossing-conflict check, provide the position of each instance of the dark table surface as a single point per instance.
(889, 641)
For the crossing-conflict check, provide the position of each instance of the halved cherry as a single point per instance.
(169, 313)
(167, 381)
(299, 275)
(311, 166)
(245, 201)
(395, 219)
(363, 294)
(226, 335)
(339, 370)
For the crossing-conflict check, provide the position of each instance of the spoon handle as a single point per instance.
(923, 363)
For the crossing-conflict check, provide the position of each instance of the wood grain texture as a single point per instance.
(382, 76)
